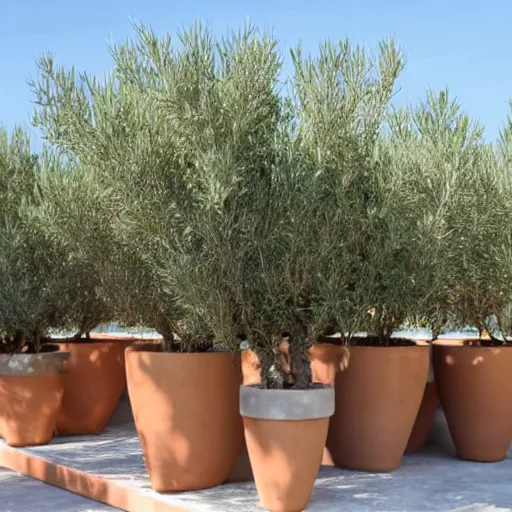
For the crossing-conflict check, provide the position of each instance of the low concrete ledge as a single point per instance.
(95, 487)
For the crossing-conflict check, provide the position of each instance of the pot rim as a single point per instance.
(286, 404)
(464, 343)
(34, 364)
(91, 341)
(155, 347)
(388, 347)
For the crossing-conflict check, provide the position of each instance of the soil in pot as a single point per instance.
(186, 411)
(285, 431)
(377, 401)
(30, 396)
(475, 387)
(93, 385)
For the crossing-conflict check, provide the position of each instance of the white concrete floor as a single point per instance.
(433, 480)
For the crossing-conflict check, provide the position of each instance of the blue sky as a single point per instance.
(464, 45)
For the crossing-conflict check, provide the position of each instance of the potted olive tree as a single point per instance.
(374, 214)
(453, 144)
(79, 214)
(32, 301)
(467, 373)
(278, 297)
(303, 280)
(404, 275)
(182, 131)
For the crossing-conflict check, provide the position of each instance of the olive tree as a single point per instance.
(240, 212)
(344, 97)
(498, 243)
(78, 216)
(39, 277)
(185, 131)
(458, 182)
(29, 293)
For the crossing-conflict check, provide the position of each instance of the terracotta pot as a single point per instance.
(427, 412)
(474, 387)
(326, 359)
(30, 396)
(93, 385)
(285, 431)
(186, 411)
(377, 400)
(424, 419)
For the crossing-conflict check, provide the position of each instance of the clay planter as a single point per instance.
(424, 419)
(475, 387)
(285, 432)
(93, 385)
(186, 411)
(427, 412)
(30, 396)
(377, 400)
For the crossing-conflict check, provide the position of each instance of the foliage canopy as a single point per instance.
(195, 192)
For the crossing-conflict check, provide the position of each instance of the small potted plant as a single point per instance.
(452, 142)
(83, 212)
(31, 301)
(284, 408)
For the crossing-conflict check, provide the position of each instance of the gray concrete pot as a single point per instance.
(285, 432)
(286, 404)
